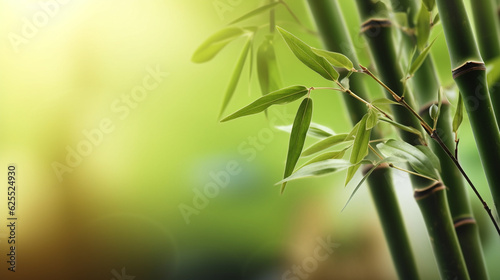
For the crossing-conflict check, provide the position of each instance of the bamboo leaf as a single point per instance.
(359, 148)
(282, 96)
(267, 67)
(402, 127)
(317, 169)
(384, 101)
(335, 59)
(436, 19)
(298, 137)
(255, 12)
(429, 4)
(305, 54)
(423, 27)
(215, 43)
(432, 157)
(315, 130)
(459, 114)
(327, 155)
(420, 58)
(325, 144)
(236, 76)
(372, 119)
(493, 71)
(416, 158)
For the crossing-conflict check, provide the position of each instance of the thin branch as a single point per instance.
(438, 139)
(411, 172)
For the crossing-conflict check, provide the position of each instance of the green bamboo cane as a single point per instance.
(426, 86)
(379, 36)
(487, 31)
(460, 208)
(333, 31)
(429, 200)
(469, 73)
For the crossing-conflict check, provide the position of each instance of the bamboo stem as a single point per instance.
(333, 31)
(434, 205)
(470, 76)
(426, 85)
(487, 31)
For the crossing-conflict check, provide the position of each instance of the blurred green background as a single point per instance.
(117, 211)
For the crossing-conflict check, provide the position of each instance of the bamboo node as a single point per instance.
(467, 67)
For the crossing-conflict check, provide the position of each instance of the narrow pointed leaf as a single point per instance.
(493, 70)
(282, 96)
(429, 4)
(335, 59)
(372, 119)
(267, 67)
(315, 130)
(298, 137)
(255, 12)
(236, 76)
(384, 101)
(421, 58)
(402, 127)
(431, 156)
(359, 148)
(459, 114)
(416, 158)
(436, 20)
(325, 144)
(305, 54)
(317, 169)
(423, 27)
(215, 43)
(327, 155)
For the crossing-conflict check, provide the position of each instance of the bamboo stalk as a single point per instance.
(434, 207)
(443, 235)
(426, 85)
(487, 32)
(333, 31)
(469, 73)
(460, 208)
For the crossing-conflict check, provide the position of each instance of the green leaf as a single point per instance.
(372, 119)
(298, 137)
(423, 27)
(459, 114)
(282, 96)
(401, 18)
(429, 4)
(421, 58)
(255, 12)
(305, 54)
(359, 148)
(215, 43)
(315, 130)
(432, 157)
(236, 76)
(402, 127)
(335, 59)
(325, 144)
(267, 67)
(327, 155)
(436, 19)
(384, 101)
(418, 160)
(317, 169)
(493, 71)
